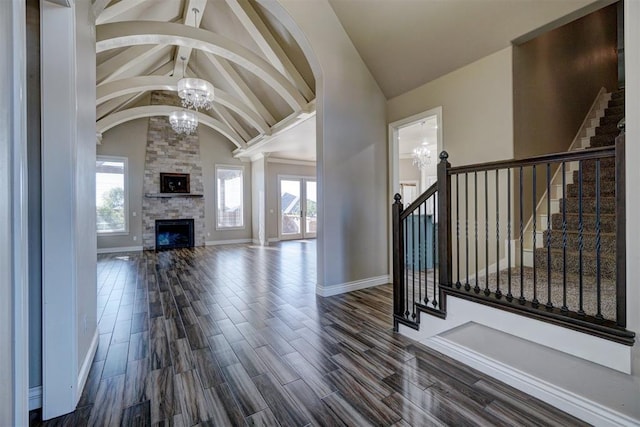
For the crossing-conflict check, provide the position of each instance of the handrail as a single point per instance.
(569, 156)
(420, 200)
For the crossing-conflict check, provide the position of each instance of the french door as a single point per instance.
(298, 208)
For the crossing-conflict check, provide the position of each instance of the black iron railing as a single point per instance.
(542, 237)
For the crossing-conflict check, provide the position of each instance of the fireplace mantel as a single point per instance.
(172, 195)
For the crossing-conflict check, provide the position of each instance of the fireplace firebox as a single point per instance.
(174, 233)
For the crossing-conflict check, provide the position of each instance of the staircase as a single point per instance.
(601, 133)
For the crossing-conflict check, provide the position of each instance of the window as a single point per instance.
(111, 195)
(229, 197)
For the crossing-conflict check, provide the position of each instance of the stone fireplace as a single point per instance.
(170, 153)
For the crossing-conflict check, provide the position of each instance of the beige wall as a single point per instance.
(273, 171)
(476, 100)
(407, 171)
(129, 140)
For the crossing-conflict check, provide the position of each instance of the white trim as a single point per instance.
(327, 291)
(291, 162)
(273, 239)
(579, 406)
(227, 242)
(215, 193)
(35, 398)
(120, 249)
(125, 184)
(86, 366)
(394, 161)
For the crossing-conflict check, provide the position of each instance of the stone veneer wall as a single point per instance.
(169, 152)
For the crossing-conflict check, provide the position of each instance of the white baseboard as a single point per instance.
(35, 398)
(86, 366)
(273, 239)
(327, 291)
(121, 249)
(572, 403)
(227, 242)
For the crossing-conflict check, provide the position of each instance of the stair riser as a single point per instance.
(589, 265)
(607, 242)
(616, 102)
(602, 141)
(614, 110)
(607, 206)
(618, 94)
(590, 165)
(611, 120)
(607, 223)
(610, 129)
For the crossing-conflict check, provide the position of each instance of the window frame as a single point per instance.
(125, 161)
(240, 168)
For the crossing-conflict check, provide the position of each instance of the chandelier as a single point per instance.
(421, 156)
(184, 121)
(195, 93)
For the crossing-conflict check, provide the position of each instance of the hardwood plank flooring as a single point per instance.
(236, 336)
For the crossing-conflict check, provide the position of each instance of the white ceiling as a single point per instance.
(413, 135)
(407, 43)
(263, 80)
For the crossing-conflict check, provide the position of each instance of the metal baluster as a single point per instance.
(598, 271)
(458, 284)
(434, 301)
(564, 307)
(406, 270)
(426, 244)
(509, 294)
(580, 241)
(549, 304)
(419, 255)
(413, 265)
(486, 233)
(498, 291)
(467, 286)
(521, 300)
(476, 288)
(534, 301)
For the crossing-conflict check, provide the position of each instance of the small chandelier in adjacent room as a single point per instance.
(421, 156)
(184, 121)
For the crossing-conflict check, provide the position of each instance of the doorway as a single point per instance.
(297, 207)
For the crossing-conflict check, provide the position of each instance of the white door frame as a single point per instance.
(394, 160)
(303, 191)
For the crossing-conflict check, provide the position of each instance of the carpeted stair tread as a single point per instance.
(558, 294)
(602, 140)
(589, 262)
(608, 129)
(611, 119)
(614, 110)
(606, 174)
(606, 163)
(616, 102)
(589, 241)
(607, 205)
(617, 94)
(607, 189)
(607, 222)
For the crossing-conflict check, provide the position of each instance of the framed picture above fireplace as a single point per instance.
(174, 183)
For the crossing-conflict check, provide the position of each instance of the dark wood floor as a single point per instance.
(235, 335)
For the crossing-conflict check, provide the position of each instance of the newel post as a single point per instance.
(444, 220)
(621, 250)
(398, 257)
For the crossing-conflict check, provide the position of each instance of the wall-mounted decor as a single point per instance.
(174, 182)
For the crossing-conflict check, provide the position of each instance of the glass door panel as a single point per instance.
(310, 209)
(290, 208)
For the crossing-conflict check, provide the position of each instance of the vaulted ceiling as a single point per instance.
(263, 83)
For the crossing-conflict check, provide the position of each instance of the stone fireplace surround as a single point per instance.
(169, 152)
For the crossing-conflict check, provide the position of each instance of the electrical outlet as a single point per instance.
(134, 213)
(208, 234)
(135, 238)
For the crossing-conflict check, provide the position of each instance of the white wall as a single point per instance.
(632, 101)
(14, 377)
(68, 189)
(351, 149)
(129, 140)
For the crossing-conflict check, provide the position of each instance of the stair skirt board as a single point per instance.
(598, 395)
